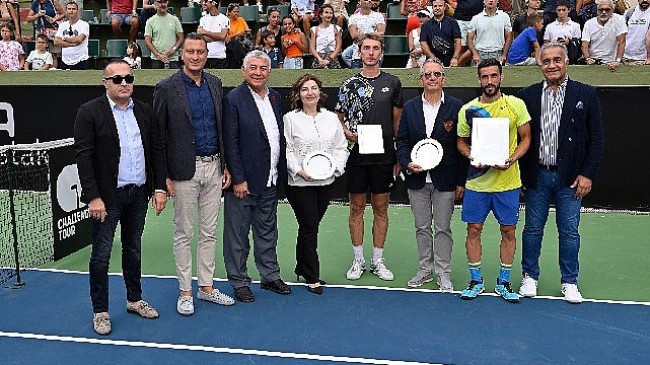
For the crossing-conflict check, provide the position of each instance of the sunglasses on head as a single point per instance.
(117, 79)
(431, 75)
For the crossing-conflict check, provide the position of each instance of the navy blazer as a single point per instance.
(580, 139)
(452, 170)
(248, 153)
(172, 108)
(97, 147)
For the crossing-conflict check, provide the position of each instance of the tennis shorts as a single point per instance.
(504, 205)
(377, 179)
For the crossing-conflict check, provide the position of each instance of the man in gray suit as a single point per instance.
(188, 107)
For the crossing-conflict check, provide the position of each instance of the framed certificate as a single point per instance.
(370, 139)
(490, 141)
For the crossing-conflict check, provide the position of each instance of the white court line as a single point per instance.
(222, 350)
(369, 287)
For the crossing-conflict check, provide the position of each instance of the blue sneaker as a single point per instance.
(506, 292)
(473, 290)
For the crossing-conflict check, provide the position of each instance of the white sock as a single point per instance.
(377, 254)
(358, 252)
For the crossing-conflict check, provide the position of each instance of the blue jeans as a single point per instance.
(550, 189)
(129, 207)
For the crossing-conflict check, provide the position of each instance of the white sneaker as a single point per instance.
(185, 305)
(444, 283)
(215, 297)
(358, 267)
(571, 293)
(378, 268)
(528, 287)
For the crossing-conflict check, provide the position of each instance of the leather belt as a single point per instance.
(548, 167)
(208, 158)
(129, 187)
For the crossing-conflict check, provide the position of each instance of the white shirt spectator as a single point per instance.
(365, 24)
(38, 59)
(215, 23)
(490, 31)
(556, 30)
(602, 38)
(75, 54)
(637, 28)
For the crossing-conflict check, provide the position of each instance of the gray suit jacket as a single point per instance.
(172, 109)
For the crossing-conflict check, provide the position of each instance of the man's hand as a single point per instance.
(241, 190)
(506, 165)
(158, 201)
(97, 209)
(460, 192)
(613, 66)
(502, 59)
(453, 62)
(582, 185)
(351, 136)
(396, 170)
(226, 179)
(170, 187)
(414, 168)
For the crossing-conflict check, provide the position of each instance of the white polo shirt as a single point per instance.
(489, 31)
(556, 30)
(602, 38)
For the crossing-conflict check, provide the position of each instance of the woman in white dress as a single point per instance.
(311, 128)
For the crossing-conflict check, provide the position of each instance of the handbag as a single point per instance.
(441, 45)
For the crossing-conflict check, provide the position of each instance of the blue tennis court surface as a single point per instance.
(49, 321)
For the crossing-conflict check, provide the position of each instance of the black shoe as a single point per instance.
(315, 289)
(244, 294)
(277, 286)
(321, 282)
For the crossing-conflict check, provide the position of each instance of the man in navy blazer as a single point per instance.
(559, 167)
(256, 156)
(120, 165)
(432, 192)
(188, 105)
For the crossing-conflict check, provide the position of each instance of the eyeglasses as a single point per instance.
(605, 10)
(432, 75)
(117, 79)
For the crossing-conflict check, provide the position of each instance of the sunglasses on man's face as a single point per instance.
(117, 79)
(432, 75)
(605, 10)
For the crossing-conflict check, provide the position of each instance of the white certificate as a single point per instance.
(370, 139)
(490, 141)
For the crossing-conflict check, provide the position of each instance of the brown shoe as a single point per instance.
(142, 308)
(102, 323)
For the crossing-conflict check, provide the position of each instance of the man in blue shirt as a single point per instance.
(188, 107)
(527, 42)
(440, 37)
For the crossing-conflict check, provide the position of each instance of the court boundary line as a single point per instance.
(221, 350)
(366, 287)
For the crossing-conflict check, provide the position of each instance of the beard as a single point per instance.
(489, 93)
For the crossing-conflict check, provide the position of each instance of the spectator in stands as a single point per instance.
(341, 15)
(588, 11)
(490, 34)
(275, 25)
(12, 55)
(294, 44)
(302, 12)
(121, 167)
(326, 40)
(495, 187)
(255, 150)
(465, 11)
(260, 6)
(371, 99)
(133, 56)
(637, 40)
(148, 10)
(520, 22)
(416, 55)
(213, 26)
(39, 59)
(309, 128)
(603, 37)
(163, 35)
(188, 106)
(72, 36)
(9, 15)
(362, 22)
(238, 26)
(525, 48)
(123, 12)
(410, 8)
(441, 36)
(575, 8)
(44, 14)
(558, 170)
(432, 192)
(275, 53)
(563, 29)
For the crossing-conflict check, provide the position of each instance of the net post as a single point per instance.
(12, 210)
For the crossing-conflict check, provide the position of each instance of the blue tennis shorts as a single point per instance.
(504, 205)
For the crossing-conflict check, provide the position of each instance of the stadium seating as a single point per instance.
(395, 45)
(392, 12)
(87, 15)
(116, 48)
(190, 15)
(144, 51)
(249, 12)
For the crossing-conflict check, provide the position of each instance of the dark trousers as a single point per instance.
(309, 204)
(129, 207)
(159, 65)
(258, 211)
(217, 63)
(81, 65)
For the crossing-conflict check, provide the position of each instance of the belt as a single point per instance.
(208, 158)
(129, 186)
(548, 167)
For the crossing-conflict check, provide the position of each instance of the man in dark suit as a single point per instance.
(256, 156)
(188, 107)
(432, 192)
(560, 166)
(120, 164)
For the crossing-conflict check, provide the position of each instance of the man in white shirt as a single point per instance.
(563, 29)
(603, 37)
(637, 41)
(72, 37)
(490, 34)
(362, 22)
(214, 26)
